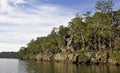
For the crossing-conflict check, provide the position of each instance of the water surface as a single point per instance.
(18, 66)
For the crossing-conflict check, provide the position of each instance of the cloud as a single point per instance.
(21, 21)
(12, 47)
(4, 5)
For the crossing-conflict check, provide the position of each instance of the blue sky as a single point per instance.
(23, 20)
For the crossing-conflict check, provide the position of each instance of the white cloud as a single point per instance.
(18, 1)
(4, 5)
(12, 47)
(18, 26)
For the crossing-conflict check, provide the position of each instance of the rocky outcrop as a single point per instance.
(101, 57)
(82, 57)
(59, 57)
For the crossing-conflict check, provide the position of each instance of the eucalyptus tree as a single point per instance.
(105, 7)
(62, 32)
(78, 27)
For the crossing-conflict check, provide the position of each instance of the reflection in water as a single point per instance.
(47, 67)
(18, 66)
(22, 68)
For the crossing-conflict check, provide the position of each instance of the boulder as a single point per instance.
(71, 57)
(39, 57)
(60, 57)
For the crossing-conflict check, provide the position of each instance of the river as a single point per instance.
(18, 66)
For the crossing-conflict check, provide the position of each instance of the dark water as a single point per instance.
(18, 66)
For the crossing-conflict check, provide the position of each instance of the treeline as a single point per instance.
(9, 55)
(97, 32)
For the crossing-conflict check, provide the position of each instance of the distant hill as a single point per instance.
(9, 55)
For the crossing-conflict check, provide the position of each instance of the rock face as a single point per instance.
(102, 57)
(78, 58)
(39, 57)
(59, 57)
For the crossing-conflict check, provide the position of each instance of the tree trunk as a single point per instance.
(99, 42)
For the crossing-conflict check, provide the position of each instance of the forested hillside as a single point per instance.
(9, 55)
(100, 31)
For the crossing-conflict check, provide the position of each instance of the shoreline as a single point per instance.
(87, 58)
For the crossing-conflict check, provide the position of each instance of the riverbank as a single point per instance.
(80, 57)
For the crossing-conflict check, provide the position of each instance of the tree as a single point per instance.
(98, 31)
(78, 27)
(106, 8)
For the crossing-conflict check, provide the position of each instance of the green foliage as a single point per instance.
(82, 56)
(115, 55)
(9, 55)
(104, 5)
(100, 31)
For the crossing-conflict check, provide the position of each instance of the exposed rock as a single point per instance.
(60, 57)
(71, 57)
(114, 62)
(77, 58)
(39, 57)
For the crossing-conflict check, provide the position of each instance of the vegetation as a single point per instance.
(9, 55)
(115, 55)
(100, 31)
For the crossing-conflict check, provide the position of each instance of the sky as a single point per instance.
(23, 20)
